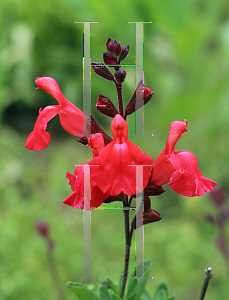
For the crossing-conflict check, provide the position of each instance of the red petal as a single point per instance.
(72, 119)
(72, 180)
(176, 130)
(187, 180)
(162, 169)
(78, 185)
(39, 138)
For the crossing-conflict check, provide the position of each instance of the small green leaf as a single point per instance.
(162, 292)
(146, 296)
(113, 286)
(147, 264)
(71, 284)
(131, 288)
(83, 293)
(104, 293)
(115, 297)
(143, 280)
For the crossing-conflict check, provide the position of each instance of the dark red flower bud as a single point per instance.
(140, 97)
(224, 214)
(94, 127)
(210, 218)
(84, 140)
(124, 53)
(221, 244)
(149, 215)
(120, 76)
(153, 190)
(102, 71)
(218, 196)
(109, 59)
(106, 106)
(42, 228)
(113, 46)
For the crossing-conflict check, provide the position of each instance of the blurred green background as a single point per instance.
(186, 64)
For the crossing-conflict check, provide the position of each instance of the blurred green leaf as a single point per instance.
(104, 293)
(83, 293)
(114, 288)
(146, 295)
(73, 284)
(162, 292)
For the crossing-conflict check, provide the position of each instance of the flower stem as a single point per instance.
(208, 276)
(126, 211)
(120, 101)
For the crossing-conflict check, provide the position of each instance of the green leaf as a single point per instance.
(83, 293)
(113, 286)
(131, 288)
(72, 284)
(162, 292)
(146, 296)
(142, 280)
(115, 297)
(104, 293)
(147, 264)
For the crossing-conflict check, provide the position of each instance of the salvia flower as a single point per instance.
(72, 119)
(114, 170)
(180, 167)
(86, 194)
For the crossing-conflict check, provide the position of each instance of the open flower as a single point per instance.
(114, 170)
(86, 194)
(72, 119)
(180, 167)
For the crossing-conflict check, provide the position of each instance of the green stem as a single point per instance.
(126, 211)
(208, 276)
(53, 271)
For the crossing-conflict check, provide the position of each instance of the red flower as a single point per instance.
(72, 119)
(114, 170)
(180, 167)
(86, 194)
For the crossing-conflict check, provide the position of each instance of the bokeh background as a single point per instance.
(186, 64)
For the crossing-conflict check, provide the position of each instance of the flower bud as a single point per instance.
(140, 97)
(103, 71)
(153, 190)
(42, 228)
(113, 46)
(106, 106)
(221, 244)
(120, 76)
(95, 128)
(218, 196)
(149, 215)
(124, 53)
(210, 218)
(109, 59)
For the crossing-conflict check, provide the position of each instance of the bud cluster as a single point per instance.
(142, 95)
